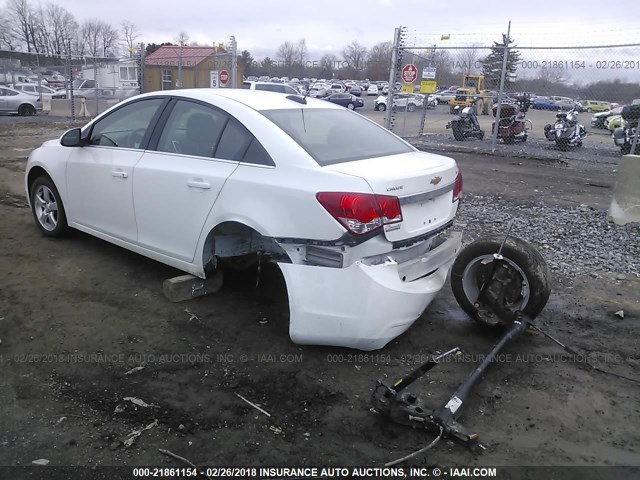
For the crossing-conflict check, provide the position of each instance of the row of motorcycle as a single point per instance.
(513, 126)
(566, 132)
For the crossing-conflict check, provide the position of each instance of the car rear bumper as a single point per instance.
(364, 306)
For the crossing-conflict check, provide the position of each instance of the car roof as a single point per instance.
(255, 99)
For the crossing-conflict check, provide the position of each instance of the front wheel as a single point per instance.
(526, 279)
(351, 106)
(411, 107)
(382, 107)
(47, 208)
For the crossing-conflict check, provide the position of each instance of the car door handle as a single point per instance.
(198, 184)
(119, 173)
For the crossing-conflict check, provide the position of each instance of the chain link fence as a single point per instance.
(72, 86)
(530, 88)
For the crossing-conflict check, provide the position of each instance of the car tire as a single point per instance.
(528, 291)
(26, 109)
(382, 107)
(351, 106)
(509, 140)
(47, 208)
(411, 107)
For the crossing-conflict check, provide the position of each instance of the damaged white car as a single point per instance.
(357, 219)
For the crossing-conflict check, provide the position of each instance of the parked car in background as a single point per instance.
(325, 92)
(346, 100)
(35, 90)
(596, 106)
(355, 90)
(445, 95)
(543, 103)
(13, 101)
(400, 101)
(270, 87)
(372, 90)
(325, 195)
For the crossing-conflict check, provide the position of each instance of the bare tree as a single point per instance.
(379, 61)
(468, 60)
(329, 64)
(58, 27)
(7, 40)
(90, 37)
(129, 36)
(108, 38)
(286, 53)
(21, 19)
(354, 55)
(552, 75)
(182, 38)
(301, 51)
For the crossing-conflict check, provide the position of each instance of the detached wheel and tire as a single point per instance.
(530, 281)
(25, 110)
(47, 208)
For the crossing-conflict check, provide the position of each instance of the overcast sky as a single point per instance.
(261, 26)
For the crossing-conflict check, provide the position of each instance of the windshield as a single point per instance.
(334, 135)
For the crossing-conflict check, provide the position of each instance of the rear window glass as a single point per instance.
(336, 136)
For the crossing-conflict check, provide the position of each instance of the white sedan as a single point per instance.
(357, 219)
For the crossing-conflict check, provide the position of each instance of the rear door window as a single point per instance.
(192, 129)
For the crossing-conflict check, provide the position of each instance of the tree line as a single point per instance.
(50, 29)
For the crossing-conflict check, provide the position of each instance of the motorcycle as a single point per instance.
(566, 132)
(465, 124)
(512, 124)
(623, 136)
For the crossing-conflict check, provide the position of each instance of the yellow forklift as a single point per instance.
(472, 92)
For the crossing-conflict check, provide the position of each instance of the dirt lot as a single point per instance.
(77, 314)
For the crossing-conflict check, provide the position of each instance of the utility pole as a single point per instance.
(494, 137)
(179, 81)
(234, 61)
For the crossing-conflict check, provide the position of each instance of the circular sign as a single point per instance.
(409, 73)
(224, 77)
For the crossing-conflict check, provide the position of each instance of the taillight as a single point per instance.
(457, 187)
(361, 213)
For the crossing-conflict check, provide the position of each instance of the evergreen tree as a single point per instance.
(492, 63)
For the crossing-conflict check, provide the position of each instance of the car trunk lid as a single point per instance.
(422, 181)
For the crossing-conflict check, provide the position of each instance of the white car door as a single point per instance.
(176, 185)
(99, 174)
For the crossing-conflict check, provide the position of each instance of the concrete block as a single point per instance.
(625, 204)
(186, 287)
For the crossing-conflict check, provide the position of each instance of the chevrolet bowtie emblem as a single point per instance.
(435, 180)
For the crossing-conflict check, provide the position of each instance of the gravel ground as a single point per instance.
(575, 240)
(533, 148)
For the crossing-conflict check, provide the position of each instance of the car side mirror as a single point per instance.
(72, 138)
